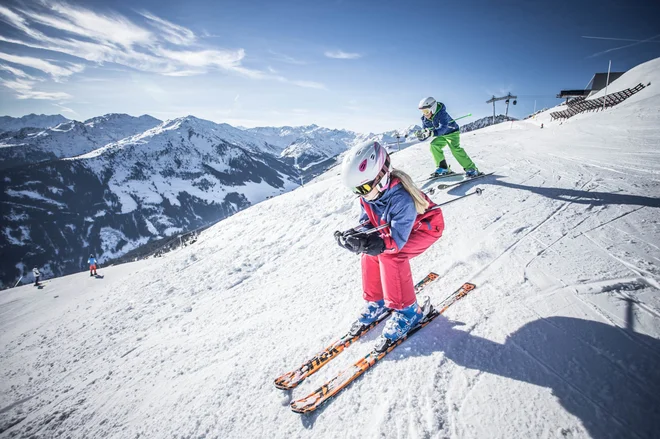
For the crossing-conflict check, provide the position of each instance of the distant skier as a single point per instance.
(437, 122)
(35, 272)
(388, 196)
(92, 265)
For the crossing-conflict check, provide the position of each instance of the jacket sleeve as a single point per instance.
(441, 121)
(427, 123)
(363, 214)
(402, 218)
(363, 218)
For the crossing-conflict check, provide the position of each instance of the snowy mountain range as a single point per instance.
(390, 137)
(306, 145)
(560, 339)
(8, 123)
(31, 145)
(485, 122)
(178, 176)
(113, 183)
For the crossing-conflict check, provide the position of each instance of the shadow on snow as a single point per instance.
(561, 194)
(604, 375)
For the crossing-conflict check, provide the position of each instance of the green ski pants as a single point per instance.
(454, 142)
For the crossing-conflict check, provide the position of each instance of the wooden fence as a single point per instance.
(580, 105)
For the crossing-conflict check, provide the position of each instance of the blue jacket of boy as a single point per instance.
(441, 123)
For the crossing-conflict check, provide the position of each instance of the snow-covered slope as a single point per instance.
(8, 123)
(186, 154)
(113, 127)
(642, 73)
(561, 339)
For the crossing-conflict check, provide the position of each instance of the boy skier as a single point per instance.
(437, 122)
(92, 265)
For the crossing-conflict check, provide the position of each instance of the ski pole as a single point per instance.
(462, 117)
(19, 279)
(477, 191)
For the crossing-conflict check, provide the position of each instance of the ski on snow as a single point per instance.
(291, 379)
(458, 183)
(440, 177)
(347, 376)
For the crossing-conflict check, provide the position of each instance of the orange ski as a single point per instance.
(347, 376)
(291, 379)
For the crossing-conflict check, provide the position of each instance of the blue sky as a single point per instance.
(360, 65)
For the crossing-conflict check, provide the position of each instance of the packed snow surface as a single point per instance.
(561, 338)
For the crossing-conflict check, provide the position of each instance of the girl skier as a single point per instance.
(388, 196)
(437, 122)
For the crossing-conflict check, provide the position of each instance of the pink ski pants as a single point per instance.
(388, 276)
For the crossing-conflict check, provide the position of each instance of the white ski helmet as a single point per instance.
(428, 104)
(365, 166)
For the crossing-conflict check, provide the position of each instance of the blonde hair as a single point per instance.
(421, 204)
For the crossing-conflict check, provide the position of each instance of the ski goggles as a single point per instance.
(365, 188)
(426, 111)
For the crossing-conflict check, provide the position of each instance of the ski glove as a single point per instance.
(424, 134)
(371, 244)
(341, 238)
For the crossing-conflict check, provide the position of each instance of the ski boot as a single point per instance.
(372, 312)
(401, 322)
(441, 172)
(471, 173)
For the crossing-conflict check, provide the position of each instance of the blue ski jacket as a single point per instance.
(91, 261)
(441, 123)
(396, 207)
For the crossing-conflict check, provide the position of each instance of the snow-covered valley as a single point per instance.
(561, 338)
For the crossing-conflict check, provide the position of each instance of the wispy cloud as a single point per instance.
(207, 34)
(339, 54)
(286, 58)
(113, 29)
(620, 39)
(64, 109)
(171, 32)
(156, 46)
(24, 90)
(17, 72)
(636, 43)
(305, 84)
(49, 68)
